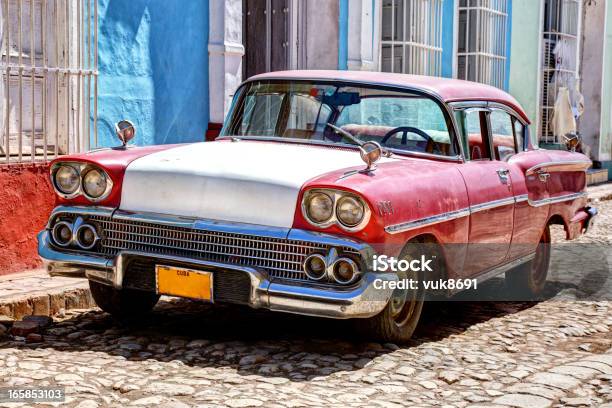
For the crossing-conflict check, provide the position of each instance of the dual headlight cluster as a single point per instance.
(73, 179)
(323, 207)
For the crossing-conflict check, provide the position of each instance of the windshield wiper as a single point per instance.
(345, 134)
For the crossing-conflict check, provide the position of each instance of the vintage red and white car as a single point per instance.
(314, 174)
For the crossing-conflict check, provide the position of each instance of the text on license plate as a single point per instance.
(184, 282)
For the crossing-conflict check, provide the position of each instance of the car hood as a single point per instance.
(243, 181)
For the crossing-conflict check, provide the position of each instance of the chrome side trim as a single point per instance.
(555, 166)
(492, 204)
(452, 215)
(555, 200)
(424, 222)
(521, 198)
(464, 212)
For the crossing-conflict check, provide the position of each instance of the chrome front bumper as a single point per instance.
(359, 301)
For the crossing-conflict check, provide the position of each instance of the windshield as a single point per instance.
(330, 113)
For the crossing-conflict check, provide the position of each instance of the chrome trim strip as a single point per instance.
(555, 200)
(204, 224)
(448, 216)
(492, 204)
(521, 198)
(555, 166)
(424, 222)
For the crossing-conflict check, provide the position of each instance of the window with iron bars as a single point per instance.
(481, 48)
(560, 56)
(48, 83)
(411, 37)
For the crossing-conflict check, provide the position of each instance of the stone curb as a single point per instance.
(47, 303)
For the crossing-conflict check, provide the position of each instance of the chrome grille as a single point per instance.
(281, 258)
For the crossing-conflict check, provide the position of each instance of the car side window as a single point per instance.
(502, 134)
(519, 134)
(474, 133)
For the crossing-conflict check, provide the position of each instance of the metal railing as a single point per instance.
(561, 53)
(411, 40)
(481, 53)
(48, 88)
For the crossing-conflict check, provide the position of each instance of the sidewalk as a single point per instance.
(34, 292)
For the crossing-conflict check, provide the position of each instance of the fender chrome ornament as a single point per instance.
(125, 131)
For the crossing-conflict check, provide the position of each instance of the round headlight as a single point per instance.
(94, 183)
(320, 207)
(67, 179)
(350, 211)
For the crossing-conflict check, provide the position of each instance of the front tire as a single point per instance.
(528, 280)
(399, 319)
(123, 304)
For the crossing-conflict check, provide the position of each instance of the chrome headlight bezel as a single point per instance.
(336, 196)
(359, 204)
(82, 169)
(306, 207)
(77, 188)
(103, 177)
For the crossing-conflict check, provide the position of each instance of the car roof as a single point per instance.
(446, 89)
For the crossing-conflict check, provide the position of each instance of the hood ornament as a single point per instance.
(125, 132)
(371, 152)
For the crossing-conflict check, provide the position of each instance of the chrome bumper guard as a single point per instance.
(592, 213)
(358, 301)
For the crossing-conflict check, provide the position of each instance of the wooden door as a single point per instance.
(265, 31)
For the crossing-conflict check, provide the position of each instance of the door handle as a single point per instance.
(543, 176)
(503, 175)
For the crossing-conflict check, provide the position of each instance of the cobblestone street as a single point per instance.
(553, 353)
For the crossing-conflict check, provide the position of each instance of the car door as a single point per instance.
(489, 186)
(529, 220)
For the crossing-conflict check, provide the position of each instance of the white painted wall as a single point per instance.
(225, 51)
(591, 70)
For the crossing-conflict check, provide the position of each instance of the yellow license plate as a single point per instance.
(184, 282)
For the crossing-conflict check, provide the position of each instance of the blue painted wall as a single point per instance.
(153, 69)
(343, 35)
(448, 43)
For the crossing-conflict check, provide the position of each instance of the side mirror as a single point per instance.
(125, 131)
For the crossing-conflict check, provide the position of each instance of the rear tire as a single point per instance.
(528, 280)
(123, 304)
